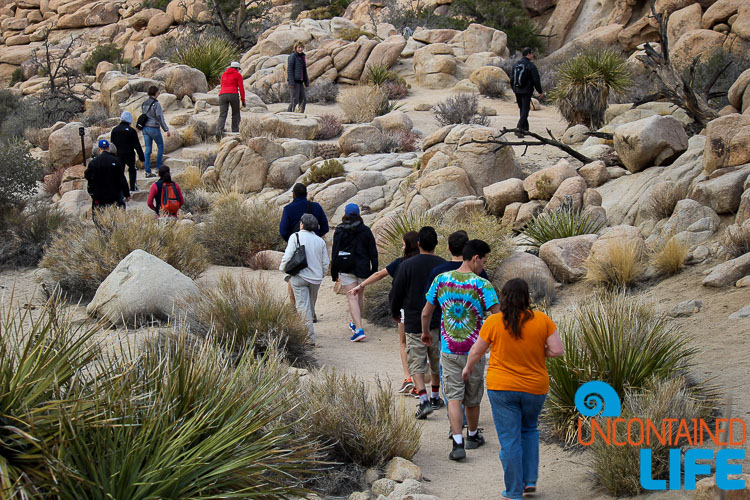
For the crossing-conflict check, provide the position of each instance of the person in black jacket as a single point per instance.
(296, 72)
(529, 80)
(106, 179)
(354, 258)
(125, 139)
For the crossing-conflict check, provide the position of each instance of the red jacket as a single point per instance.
(153, 196)
(231, 80)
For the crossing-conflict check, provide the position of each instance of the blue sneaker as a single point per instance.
(358, 336)
(352, 327)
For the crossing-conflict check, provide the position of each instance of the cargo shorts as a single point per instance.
(454, 387)
(417, 354)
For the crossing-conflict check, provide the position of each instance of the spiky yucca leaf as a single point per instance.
(210, 55)
(562, 223)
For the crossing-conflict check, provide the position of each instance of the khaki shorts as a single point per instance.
(417, 354)
(349, 279)
(471, 392)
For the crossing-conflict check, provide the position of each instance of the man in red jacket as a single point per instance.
(231, 82)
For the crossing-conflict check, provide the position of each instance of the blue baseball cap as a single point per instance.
(351, 209)
(103, 144)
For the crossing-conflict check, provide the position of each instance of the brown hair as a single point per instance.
(153, 90)
(299, 44)
(410, 244)
(515, 304)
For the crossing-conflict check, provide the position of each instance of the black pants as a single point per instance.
(226, 100)
(129, 161)
(297, 95)
(524, 104)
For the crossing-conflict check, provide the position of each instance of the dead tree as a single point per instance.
(242, 21)
(53, 62)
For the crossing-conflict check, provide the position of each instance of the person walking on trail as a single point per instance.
(296, 71)
(306, 283)
(408, 294)
(165, 197)
(464, 298)
(106, 180)
(152, 129)
(519, 340)
(410, 249)
(125, 139)
(524, 79)
(231, 93)
(354, 259)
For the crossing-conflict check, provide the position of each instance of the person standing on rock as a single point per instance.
(464, 298)
(231, 84)
(296, 71)
(409, 285)
(106, 180)
(306, 283)
(152, 131)
(524, 79)
(519, 340)
(355, 258)
(125, 139)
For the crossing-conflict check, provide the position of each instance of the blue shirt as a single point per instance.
(293, 213)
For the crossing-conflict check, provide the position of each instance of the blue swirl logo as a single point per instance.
(597, 398)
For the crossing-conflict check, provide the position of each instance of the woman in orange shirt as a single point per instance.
(517, 381)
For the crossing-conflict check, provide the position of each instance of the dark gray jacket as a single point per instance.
(532, 78)
(155, 114)
(296, 69)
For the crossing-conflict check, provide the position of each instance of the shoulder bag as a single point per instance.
(298, 261)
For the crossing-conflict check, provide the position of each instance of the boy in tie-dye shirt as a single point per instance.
(465, 299)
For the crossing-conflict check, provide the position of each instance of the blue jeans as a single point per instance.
(150, 135)
(516, 415)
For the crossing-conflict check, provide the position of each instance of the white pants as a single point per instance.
(305, 296)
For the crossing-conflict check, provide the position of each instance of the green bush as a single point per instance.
(246, 314)
(585, 84)
(562, 223)
(321, 9)
(16, 77)
(209, 54)
(321, 172)
(505, 15)
(119, 232)
(362, 425)
(377, 74)
(25, 231)
(35, 112)
(618, 339)
(353, 34)
(106, 52)
(234, 231)
(19, 173)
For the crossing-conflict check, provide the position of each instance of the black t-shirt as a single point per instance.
(392, 268)
(409, 291)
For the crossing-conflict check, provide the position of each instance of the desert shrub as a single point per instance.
(353, 34)
(616, 338)
(736, 239)
(321, 9)
(402, 141)
(322, 91)
(620, 264)
(118, 233)
(197, 201)
(670, 258)
(233, 231)
(26, 231)
(96, 115)
(330, 127)
(19, 172)
(362, 103)
(562, 223)
(156, 4)
(585, 84)
(542, 288)
(16, 77)
(273, 94)
(377, 74)
(506, 15)
(246, 314)
(106, 52)
(52, 181)
(189, 179)
(321, 172)
(209, 54)
(733, 63)
(327, 150)
(395, 89)
(362, 424)
(39, 111)
(461, 108)
(544, 187)
(196, 132)
(495, 88)
(661, 202)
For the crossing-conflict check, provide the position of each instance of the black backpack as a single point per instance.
(519, 77)
(141, 122)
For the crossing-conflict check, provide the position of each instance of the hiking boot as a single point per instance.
(437, 403)
(406, 386)
(352, 327)
(315, 318)
(150, 175)
(423, 409)
(458, 452)
(358, 336)
(475, 441)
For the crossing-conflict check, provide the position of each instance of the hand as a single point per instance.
(466, 373)
(354, 290)
(397, 320)
(127, 199)
(427, 338)
(169, 134)
(243, 104)
(541, 96)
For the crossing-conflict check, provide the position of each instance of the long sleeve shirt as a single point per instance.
(154, 195)
(155, 114)
(125, 139)
(315, 252)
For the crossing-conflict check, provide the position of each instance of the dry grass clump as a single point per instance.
(495, 88)
(82, 256)
(245, 314)
(322, 91)
(25, 231)
(321, 172)
(195, 133)
(330, 127)
(362, 425)
(189, 179)
(670, 258)
(737, 239)
(233, 231)
(663, 200)
(362, 103)
(619, 264)
(53, 180)
(197, 201)
(460, 108)
(353, 34)
(255, 126)
(401, 141)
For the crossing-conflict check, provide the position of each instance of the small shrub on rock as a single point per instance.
(737, 239)
(330, 127)
(24, 232)
(52, 181)
(562, 223)
(662, 201)
(19, 173)
(210, 55)
(353, 34)
(106, 52)
(322, 91)
(321, 172)
(619, 265)
(361, 104)
(327, 150)
(495, 88)
(670, 258)
(402, 141)
(461, 108)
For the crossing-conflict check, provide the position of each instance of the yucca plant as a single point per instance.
(209, 54)
(616, 338)
(562, 223)
(585, 84)
(321, 172)
(377, 74)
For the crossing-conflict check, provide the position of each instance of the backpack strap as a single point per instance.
(159, 188)
(153, 101)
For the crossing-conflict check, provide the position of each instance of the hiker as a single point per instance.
(464, 298)
(408, 294)
(354, 258)
(125, 139)
(296, 71)
(231, 84)
(519, 339)
(151, 130)
(165, 197)
(524, 79)
(306, 283)
(410, 249)
(106, 180)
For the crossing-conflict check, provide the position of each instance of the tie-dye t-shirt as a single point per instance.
(464, 299)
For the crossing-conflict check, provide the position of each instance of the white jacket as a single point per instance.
(316, 253)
